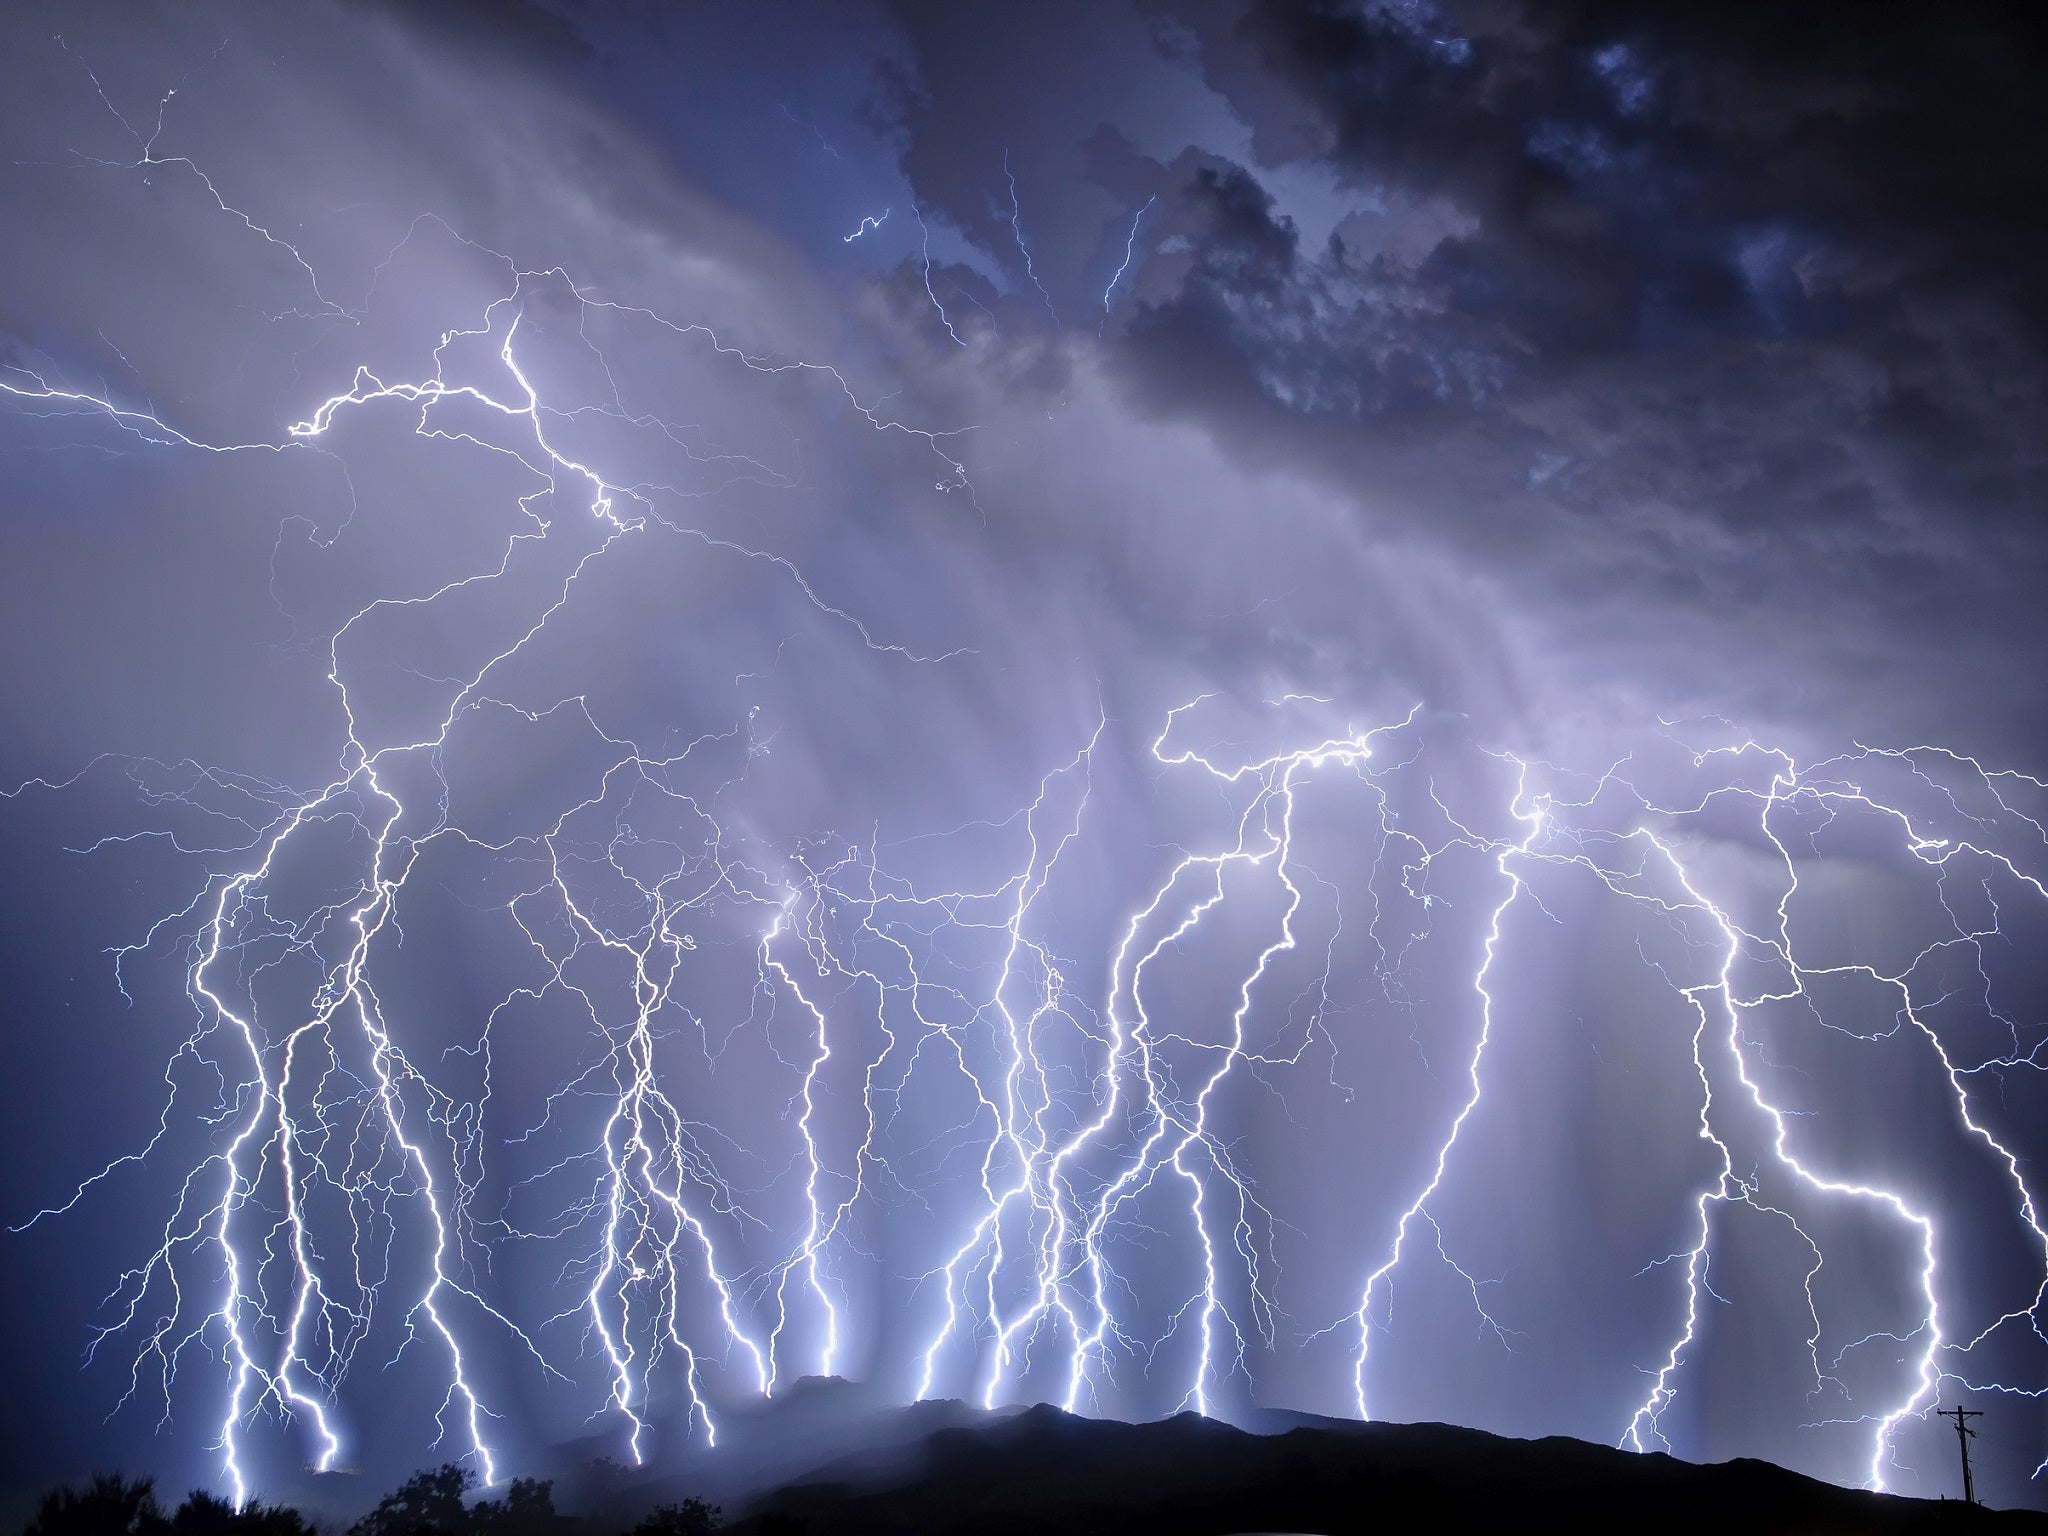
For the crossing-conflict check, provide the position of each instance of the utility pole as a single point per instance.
(1964, 1435)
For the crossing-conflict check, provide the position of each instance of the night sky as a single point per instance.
(1151, 704)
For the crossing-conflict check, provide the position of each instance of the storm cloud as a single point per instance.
(824, 459)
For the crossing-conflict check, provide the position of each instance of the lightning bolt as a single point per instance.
(1047, 1175)
(1023, 245)
(868, 224)
(332, 1111)
(924, 234)
(1130, 251)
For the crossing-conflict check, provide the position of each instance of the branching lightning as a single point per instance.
(1025, 1130)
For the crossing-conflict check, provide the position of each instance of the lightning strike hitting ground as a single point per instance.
(1024, 1132)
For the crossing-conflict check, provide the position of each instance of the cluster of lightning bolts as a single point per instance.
(341, 1178)
(1635, 846)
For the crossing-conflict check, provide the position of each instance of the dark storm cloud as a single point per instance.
(1035, 84)
(1712, 333)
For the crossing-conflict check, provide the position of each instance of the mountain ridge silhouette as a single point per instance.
(943, 1467)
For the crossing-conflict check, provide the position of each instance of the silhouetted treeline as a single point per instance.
(1042, 1470)
(431, 1503)
(120, 1506)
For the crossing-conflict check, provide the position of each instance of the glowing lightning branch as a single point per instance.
(333, 1107)
(1532, 815)
(1016, 1100)
(868, 223)
(1024, 246)
(1130, 251)
(925, 238)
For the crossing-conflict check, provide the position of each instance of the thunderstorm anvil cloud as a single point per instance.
(1322, 721)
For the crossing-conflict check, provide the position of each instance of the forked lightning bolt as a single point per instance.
(1025, 1138)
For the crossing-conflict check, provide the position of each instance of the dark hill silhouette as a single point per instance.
(811, 1426)
(829, 1458)
(1044, 1471)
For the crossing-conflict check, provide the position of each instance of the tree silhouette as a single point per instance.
(206, 1514)
(527, 1509)
(692, 1517)
(425, 1504)
(429, 1503)
(109, 1505)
